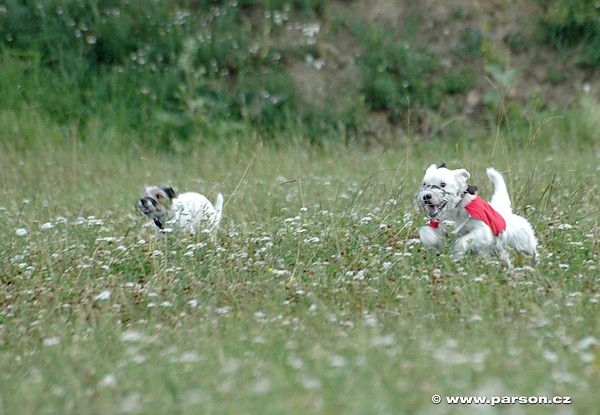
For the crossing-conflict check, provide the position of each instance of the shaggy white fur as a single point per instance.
(188, 212)
(445, 198)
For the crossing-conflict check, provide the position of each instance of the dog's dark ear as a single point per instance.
(171, 193)
(472, 189)
(443, 164)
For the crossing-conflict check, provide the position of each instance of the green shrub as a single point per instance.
(569, 23)
(398, 75)
(99, 32)
(93, 59)
(169, 70)
(191, 71)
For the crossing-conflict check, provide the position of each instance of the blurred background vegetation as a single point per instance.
(170, 74)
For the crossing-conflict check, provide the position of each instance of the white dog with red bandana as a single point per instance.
(479, 227)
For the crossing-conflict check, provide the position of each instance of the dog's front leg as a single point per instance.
(432, 238)
(159, 233)
(462, 245)
(503, 255)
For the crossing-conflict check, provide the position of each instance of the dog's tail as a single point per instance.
(218, 211)
(500, 199)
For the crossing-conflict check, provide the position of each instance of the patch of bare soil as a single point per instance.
(507, 36)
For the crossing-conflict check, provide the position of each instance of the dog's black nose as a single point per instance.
(427, 197)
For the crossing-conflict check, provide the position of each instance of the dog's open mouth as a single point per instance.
(146, 205)
(434, 210)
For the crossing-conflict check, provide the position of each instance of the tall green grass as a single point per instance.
(317, 296)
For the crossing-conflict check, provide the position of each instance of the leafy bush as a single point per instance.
(101, 32)
(177, 71)
(568, 23)
(93, 59)
(166, 69)
(399, 75)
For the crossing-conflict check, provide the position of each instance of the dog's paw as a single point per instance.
(457, 256)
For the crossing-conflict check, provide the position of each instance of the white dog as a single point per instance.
(480, 227)
(188, 212)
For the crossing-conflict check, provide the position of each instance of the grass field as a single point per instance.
(317, 297)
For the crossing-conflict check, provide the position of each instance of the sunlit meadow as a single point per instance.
(317, 296)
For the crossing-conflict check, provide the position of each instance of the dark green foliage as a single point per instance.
(93, 59)
(169, 70)
(569, 23)
(198, 70)
(100, 32)
(471, 43)
(399, 75)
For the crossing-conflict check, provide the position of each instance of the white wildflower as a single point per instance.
(586, 343)
(189, 357)
(93, 221)
(295, 362)
(337, 361)
(310, 383)
(223, 310)
(132, 335)
(387, 340)
(130, 404)
(549, 356)
(104, 295)
(261, 386)
(51, 341)
(108, 381)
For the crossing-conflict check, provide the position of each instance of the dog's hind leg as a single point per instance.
(536, 258)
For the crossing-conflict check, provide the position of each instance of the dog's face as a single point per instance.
(442, 188)
(156, 203)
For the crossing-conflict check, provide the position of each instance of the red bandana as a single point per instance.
(480, 209)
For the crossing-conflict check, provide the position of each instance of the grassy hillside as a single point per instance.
(175, 74)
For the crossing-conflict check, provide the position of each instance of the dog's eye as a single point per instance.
(442, 184)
